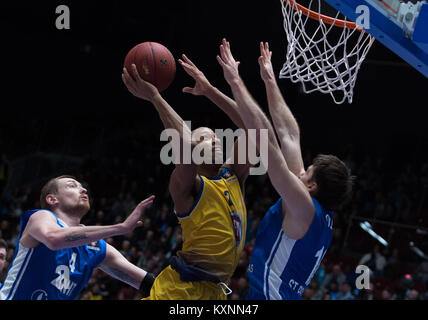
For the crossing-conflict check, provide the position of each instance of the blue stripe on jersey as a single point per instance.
(280, 267)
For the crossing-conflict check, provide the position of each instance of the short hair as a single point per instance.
(334, 181)
(3, 244)
(51, 187)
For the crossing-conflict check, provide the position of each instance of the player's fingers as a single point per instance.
(262, 49)
(188, 90)
(220, 61)
(226, 47)
(265, 50)
(188, 60)
(127, 80)
(149, 199)
(139, 224)
(146, 202)
(187, 67)
(224, 55)
(229, 51)
(126, 75)
(135, 72)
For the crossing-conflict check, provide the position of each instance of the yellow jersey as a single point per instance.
(214, 229)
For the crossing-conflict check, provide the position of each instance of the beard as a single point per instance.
(79, 209)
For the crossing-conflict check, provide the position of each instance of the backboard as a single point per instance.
(400, 26)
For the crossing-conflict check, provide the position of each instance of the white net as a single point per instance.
(322, 56)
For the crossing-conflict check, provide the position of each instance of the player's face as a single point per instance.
(207, 140)
(72, 196)
(307, 175)
(306, 178)
(2, 258)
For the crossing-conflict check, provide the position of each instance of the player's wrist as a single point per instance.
(155, 97)
(146, 284)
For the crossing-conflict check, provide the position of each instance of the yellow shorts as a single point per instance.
(168, 286)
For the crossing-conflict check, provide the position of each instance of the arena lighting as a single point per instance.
(368, 228)
(418, 251)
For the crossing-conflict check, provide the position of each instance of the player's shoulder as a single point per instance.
(39, 214)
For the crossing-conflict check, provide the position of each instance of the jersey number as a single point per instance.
(319, 255)
(63, 282)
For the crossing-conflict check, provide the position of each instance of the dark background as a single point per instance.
(64, 75)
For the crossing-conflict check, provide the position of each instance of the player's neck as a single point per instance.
(71, 220)
(208, 171)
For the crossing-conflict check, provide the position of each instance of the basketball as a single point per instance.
(155, 63)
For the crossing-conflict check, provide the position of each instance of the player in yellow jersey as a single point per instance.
(208, 199)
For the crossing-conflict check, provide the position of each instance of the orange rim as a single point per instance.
(326, 19)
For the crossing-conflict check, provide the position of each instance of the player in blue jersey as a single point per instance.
(296, 231)
(56, 255)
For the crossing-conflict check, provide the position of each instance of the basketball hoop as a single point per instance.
(324, 54)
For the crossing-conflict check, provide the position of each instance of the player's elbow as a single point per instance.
(52, 241)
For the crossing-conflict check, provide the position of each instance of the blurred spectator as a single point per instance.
(95, 292)
(241, 269)
(394, 268)
(3, 262)
(311, 290)
(345, 292)
(234, 296)
(333, 289)
(386, 295)
(374, 260)
(320, 275)
(242, 288)
(421, 273)
(366, 294)
(326, 296)
(412, 295)
(336, 275)
(404, 286)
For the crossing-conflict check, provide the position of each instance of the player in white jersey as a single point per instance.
(56, 255)
(296, 231)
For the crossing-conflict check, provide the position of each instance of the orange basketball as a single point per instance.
(154, 62)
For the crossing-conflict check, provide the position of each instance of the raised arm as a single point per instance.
(205, 88)
(226, 104)
(184, 182)
(285, 124)
(43, 228)
(288, 185)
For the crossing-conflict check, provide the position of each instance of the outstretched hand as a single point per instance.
(266, 69)
(228, 63)
(202, 84)
(134, 219)
(138, 86)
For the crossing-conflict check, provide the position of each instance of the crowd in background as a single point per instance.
(117, 184)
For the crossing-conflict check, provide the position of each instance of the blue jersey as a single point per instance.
(43, 274)
(281, 268)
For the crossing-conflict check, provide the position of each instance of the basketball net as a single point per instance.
(323, 53)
